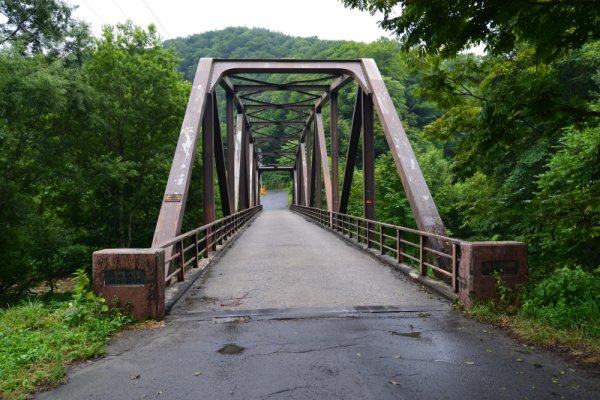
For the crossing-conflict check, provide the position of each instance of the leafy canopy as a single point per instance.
(447, 27)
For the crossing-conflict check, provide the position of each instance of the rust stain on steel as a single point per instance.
(350, 67)
(419, 197)
(324, 165)
(304, 171)
(170, 217)
(244, 161)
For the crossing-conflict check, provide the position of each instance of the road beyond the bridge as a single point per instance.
(290, 311)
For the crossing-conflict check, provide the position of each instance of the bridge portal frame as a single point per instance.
(239, 171)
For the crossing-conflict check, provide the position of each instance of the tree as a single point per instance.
(34, 94)
(127, 149)
(36, 26)
(447, 27)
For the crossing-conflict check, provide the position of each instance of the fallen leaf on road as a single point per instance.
(134, 376)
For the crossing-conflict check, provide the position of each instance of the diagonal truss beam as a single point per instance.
(220, 161)
(172, 209)
(351, 155)
(322, 148)
(419, 197)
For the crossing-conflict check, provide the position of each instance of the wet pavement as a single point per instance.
(292, 312)
(325, 354)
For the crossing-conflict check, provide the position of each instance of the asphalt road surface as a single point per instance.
(291, 311)
(275, 200)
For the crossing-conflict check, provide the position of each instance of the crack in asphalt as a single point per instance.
(284, 391)
(303, 351)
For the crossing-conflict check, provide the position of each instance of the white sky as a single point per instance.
(326, 19)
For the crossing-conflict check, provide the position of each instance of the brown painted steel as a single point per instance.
(220, 162)
(243, 181)
(419, 197)
(230, 150)
(171, 213)
(352, 152)
(238, 159)
(275, 123)
(251, 176)
(313, 169)
(304, 169)
(208, 184)
(256, 185)
(263, 168)
(243, 178)
(320, 133)
(335, 155)
(280, 87)
(318, 144)
(347, 67)
(228, 86)
(278, 106)
(368, 158)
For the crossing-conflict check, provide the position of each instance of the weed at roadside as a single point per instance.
(38, 340)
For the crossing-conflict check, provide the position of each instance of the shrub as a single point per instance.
(568, 298)
(38, 339)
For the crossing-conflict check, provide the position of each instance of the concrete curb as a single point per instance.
(175, 292)
(434, 284)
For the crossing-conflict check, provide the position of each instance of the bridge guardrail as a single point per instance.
(135, 279)
(409, 246)
(190, 247)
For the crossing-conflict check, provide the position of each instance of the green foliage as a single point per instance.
(568, 298)
(35, 26)
(38, 340)
(139, 104)
(35, 95)
(447, 27)
(568, 203)
(83, 150)
(523, 139)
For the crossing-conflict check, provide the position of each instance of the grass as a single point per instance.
(40, 338)
(561, 312)
(577, 343)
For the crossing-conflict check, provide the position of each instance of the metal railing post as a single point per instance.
(399, 246)
(181, 262)
(454, 269)
(196, 252)
(422, 268)
(381, 248)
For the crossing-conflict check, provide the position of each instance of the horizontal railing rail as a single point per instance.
(419, 249)
(189, 248)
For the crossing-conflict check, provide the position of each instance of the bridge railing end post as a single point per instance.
(132, 279)
(480, 265)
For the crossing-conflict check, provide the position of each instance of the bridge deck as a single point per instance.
(322, 348)
(284, 261)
